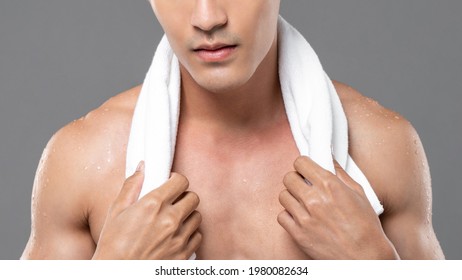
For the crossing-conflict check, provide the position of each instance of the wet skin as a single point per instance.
(235, 188)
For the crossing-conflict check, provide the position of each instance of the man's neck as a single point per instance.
(255, 105)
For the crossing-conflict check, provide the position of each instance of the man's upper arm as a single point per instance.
(59, 227)
(407, 219)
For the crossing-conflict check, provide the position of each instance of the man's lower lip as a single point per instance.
(215, 55)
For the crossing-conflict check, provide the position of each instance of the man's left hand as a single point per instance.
(329, 216)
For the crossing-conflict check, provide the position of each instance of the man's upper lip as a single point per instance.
(212, 47)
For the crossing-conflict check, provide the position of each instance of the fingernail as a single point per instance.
(140, 167)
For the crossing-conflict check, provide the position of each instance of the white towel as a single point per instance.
(314, 111)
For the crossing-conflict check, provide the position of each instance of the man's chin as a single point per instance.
(221, 87)
(220, 80)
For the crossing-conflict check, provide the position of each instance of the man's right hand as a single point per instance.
(161, 225)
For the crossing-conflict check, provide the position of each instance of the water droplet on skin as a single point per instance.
(45, 184)
(370, 100)
(396, 117)
(85, 168)
(98, 167)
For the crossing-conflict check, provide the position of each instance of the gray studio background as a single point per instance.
(61, 58)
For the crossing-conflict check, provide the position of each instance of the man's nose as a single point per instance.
(208, 15)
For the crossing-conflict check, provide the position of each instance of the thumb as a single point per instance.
(130, 190)
(346, 179)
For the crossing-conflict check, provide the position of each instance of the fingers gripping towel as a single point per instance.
(316, 117)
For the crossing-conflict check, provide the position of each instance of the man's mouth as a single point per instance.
(215, 53)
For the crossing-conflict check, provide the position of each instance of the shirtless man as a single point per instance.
(235, 152)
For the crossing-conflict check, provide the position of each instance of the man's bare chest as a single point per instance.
(239, 184)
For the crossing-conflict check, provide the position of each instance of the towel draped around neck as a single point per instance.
(316, 117)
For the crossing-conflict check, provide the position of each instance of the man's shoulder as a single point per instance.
(94, 143)
(368, 117)
(384, 144)
(100, 125)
